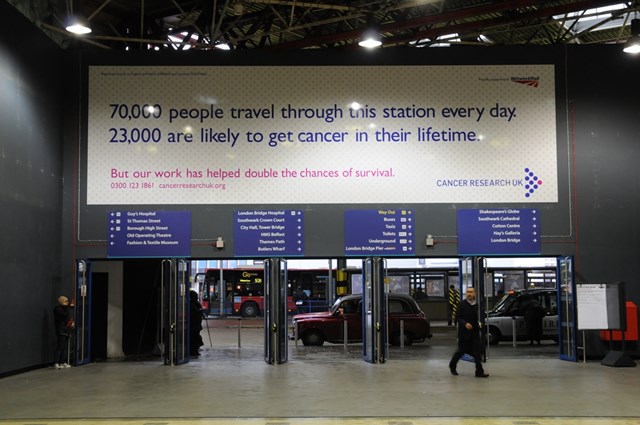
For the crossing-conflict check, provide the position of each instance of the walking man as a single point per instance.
(469, 341)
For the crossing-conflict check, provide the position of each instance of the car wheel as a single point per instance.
(249, 310)
(314, 338)
(494, 335)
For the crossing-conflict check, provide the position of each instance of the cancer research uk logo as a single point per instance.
(531, 182)
(527, 81)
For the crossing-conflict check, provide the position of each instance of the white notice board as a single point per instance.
(598, 306)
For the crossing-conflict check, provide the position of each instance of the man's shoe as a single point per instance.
(453, 371)
(65, 365)
(57, 366)
(482, 375)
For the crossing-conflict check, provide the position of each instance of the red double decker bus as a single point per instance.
(244, 291)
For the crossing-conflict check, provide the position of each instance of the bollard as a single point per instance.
(295, 334)
(239, 328)
(401, 333)
(346, 335)
(513, 327)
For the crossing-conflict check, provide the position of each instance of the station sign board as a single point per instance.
(163, 234)
(268, 233)
(499, 231)
(383, 232)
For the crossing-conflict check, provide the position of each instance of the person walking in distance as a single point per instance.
(469, 341)
(533, 316)
(195, 324)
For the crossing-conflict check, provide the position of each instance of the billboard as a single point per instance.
(321, 135)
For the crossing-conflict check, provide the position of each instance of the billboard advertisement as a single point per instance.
(171, 135)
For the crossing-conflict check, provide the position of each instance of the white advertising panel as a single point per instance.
(321, 135)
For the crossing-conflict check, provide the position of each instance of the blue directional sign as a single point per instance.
(268, 233)
(379, 232)
(508, 231)
(165, 234)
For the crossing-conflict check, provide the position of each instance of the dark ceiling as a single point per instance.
(279, 24)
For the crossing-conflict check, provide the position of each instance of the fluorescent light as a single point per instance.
(448, 36)
(222, 46)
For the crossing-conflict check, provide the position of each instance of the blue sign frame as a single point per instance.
(506, 231)
(149, 234)
(268, 233)
(380, 232)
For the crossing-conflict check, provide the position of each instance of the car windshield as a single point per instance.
(504, 303)
(334, 307)
(348, 306)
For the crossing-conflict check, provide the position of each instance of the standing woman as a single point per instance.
(63, 321)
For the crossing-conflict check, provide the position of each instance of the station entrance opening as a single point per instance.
(334, 308)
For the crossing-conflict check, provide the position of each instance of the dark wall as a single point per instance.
(606, 103)
(604, 91)
(30, 191)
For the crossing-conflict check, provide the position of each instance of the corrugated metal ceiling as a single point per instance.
(279, 24)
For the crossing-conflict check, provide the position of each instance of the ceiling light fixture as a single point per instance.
(371, 36)
(370, 41)
(632, 45)
(77, 25)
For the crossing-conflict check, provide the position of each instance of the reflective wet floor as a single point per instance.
(327, 385)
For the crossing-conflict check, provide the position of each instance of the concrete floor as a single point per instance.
(327, 385)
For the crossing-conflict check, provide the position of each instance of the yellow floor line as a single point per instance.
(334, 421)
